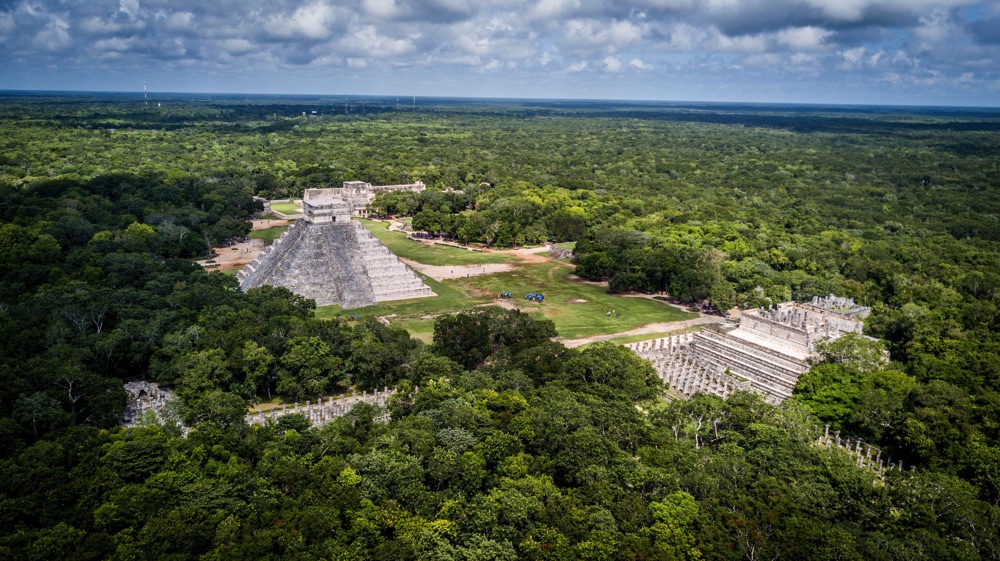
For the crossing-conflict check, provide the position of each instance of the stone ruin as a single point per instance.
(149, 396)
(322, 412)
(765, 353)
(146, 396)
(557, 252)
(359, 194)
(332, 259)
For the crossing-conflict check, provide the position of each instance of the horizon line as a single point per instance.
(139, 94)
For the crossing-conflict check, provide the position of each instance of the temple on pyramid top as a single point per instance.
(333, 259)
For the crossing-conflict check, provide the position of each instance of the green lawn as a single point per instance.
(430, 255)
(268, 235)
(577, 309)
(287, 208)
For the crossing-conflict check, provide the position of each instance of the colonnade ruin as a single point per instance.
(765, 352)
(147, 401)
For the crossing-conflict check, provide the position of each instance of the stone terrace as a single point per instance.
(766, 353)
(337, 262)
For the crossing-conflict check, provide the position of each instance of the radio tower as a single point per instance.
(144, 96)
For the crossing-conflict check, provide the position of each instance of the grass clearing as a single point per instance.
(577, 309)
(268, 235)
(287, 208)
(437, 254)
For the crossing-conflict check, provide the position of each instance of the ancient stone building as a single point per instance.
(765, 352)
(332, 259)
(359, 194)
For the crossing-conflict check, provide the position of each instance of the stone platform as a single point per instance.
(766, 353)
(334, 262)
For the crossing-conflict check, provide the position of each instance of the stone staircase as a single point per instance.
(683, 370)
(334, 263)
(390, 278)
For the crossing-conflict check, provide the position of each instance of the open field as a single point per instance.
(268, 235)
(578, 309)
(429, 253)
(287, 208)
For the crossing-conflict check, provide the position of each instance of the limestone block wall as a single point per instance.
(143, 397)
(390, 278)
(260, 269)
(770, 372)
(766, 327)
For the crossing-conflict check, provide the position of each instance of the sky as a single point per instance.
(878, 52)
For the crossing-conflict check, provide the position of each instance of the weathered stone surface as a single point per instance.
(334, 262)
(766, 353)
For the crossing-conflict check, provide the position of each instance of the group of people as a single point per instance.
(613, 313)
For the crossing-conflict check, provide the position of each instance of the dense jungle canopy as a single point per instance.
(514, 447)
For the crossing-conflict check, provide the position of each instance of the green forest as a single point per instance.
(500, 443)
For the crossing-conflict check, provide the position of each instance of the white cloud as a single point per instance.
(179, 21)
(590, 33)
(808, 37)
(826, 41)
(853, 56)
(368, 41)
(129, 8)
(54, 36)
(383, 9)
(114, 44)
(550, 9)
(312, 21)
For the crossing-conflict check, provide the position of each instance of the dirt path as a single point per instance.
(235, 256)
(445, 272)
(644, 330)
(268, 223)
(526, 256)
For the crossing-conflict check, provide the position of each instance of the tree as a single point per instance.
(202, 372)
(257, 367)
(614, 367)
(468, 338)
(307, 368)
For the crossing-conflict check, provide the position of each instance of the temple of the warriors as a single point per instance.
(358, 194)
(332, 259)
(765, 352)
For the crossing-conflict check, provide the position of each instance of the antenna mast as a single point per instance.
(145, 97)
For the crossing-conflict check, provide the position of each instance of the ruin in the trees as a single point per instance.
(765, 352)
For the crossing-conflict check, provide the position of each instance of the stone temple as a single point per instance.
(765, 352)
(332, 259)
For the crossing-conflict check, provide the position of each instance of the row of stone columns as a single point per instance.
(689, 375)
(865, 455)
(670, 344)
(322, 412)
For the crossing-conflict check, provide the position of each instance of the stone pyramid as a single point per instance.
(332, 259)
